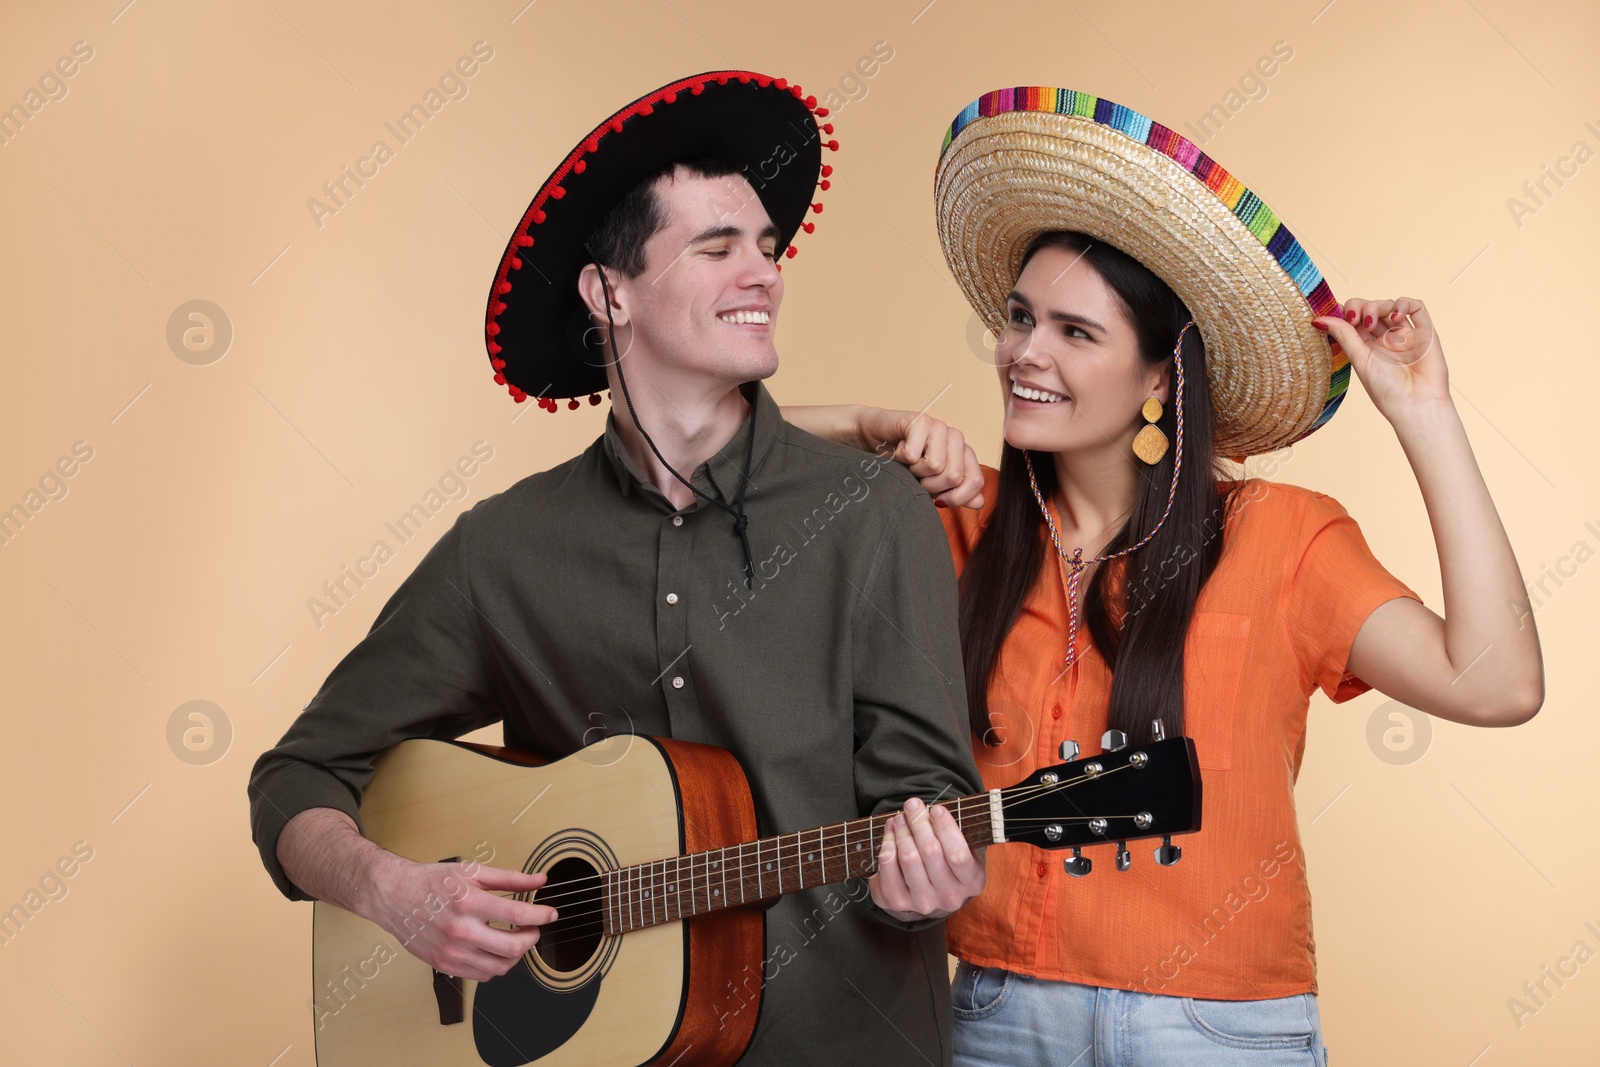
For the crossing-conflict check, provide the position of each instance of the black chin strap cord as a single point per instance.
(741, 524)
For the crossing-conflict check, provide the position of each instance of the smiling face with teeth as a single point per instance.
(702, 313)
(1068, 359)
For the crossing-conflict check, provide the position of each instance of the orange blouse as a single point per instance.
(1232, 920)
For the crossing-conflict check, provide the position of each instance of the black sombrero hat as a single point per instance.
(535, 322)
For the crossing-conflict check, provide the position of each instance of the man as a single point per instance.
(703, 571)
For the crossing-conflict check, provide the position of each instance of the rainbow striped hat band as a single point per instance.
(1019, 162)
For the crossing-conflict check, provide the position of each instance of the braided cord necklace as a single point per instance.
(741, 523)
(1073, 565)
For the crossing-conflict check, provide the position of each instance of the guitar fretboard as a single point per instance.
(681, 887)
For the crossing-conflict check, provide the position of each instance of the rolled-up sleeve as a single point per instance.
(1335, 583)
(419, 672)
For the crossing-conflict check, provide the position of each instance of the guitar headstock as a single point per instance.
(1135, 791)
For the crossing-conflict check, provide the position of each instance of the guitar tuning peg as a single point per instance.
(1167, 853)
(1124, 857)
(1069, 751)
(1112, 740)
(1158, 730)
(1079, 865)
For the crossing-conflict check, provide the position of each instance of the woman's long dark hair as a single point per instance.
(1141, 638)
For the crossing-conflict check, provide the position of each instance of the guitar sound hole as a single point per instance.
(573, 889)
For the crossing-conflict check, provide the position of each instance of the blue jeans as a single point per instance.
(1004, 1019)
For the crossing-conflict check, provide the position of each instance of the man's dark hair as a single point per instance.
(618, 242)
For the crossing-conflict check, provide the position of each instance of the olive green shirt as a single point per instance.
(580, 602)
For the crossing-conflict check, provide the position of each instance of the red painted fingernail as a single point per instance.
(1368, 323)
(1350, 316)
(938, 503)
(1320, 326)
(1395, 314)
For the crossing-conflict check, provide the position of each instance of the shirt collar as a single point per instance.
(720, 475)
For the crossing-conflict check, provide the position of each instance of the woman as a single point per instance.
(1141, 296)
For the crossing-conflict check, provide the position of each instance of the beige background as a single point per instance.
(179, 562)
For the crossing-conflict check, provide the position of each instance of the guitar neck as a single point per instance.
(681, 887)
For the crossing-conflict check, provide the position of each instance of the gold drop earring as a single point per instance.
(1151, 444)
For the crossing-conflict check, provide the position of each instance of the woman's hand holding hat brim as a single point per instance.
(1394, 350)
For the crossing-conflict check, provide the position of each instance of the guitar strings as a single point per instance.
(1021, 794)
(792, 866)
(629, 901)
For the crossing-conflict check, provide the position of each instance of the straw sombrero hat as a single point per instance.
(1019, 162)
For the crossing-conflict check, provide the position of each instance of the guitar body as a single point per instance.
(581, 997)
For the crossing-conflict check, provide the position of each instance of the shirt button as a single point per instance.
(1042, 868)
(672, 598)
(1055, 712)
(677, 520)
(677, 681)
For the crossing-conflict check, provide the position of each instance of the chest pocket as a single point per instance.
(1214, 655)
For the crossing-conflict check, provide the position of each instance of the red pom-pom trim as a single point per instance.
(827, 127)
(809, 227)
(824, 185)
(826, 170)
(576, 165)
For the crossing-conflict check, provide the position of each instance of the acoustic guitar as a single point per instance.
(659, 878)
